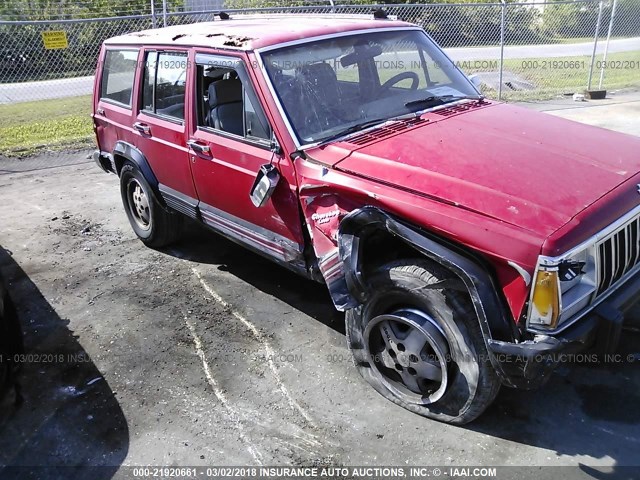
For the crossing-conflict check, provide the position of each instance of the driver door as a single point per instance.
(229, 142)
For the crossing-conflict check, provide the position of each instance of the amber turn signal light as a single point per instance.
(546, 299)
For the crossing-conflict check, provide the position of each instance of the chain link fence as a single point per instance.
(511, 50)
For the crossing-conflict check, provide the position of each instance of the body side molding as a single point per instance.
(178, 201)
(266, 243)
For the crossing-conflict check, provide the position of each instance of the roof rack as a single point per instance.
(380, 14)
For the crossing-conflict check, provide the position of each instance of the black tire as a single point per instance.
(412, 301)
(152, 223)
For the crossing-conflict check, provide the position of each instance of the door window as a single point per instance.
(164, 83)
(117, 75)
(227, 101)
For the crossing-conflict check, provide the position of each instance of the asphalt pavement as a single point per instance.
(205, 354)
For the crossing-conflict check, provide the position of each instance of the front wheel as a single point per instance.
(417, 341)
(154, 225)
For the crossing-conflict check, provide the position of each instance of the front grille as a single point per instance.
(618, 254)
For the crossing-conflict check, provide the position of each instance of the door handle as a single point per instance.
(100, 111)
(142, 128)
(198, 147)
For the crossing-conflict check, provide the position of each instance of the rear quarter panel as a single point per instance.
(112, 121)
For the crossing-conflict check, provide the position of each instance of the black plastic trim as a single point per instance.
(180, 202)
(134, 155)
(529, 364)
(495, 322)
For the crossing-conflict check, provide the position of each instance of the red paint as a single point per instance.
(504, 181)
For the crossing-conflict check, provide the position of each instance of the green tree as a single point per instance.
(70, 9)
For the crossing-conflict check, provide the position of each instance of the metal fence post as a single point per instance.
(153, 15)
(164, 12)
(606, 45)
(595, 44)
(503, 19)
(28, 61)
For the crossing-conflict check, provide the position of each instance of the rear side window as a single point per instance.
(163, 86)
(118, 74)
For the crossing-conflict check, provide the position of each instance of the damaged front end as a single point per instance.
(323, 213)
(521, 360)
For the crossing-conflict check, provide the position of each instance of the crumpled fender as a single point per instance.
(494, 319)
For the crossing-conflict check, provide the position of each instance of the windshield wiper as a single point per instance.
(442, 99)
(355, 128)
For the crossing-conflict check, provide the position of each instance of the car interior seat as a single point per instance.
(320, 95)
(323, 80)
(225, 106)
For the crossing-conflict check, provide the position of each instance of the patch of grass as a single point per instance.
(601, 39)
(62, 123)
(26, 128)
(577, 39)
(560, 75)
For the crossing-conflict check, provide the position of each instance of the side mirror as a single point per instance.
(264, 185)
(274, 146)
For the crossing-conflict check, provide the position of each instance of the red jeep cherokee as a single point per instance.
(468, 241)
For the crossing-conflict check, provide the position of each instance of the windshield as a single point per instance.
(334, 86)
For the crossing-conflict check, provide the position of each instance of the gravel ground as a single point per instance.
(205, 354)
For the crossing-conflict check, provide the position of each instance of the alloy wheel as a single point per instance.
(409, 353)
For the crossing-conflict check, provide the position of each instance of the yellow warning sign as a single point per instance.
(55, 39)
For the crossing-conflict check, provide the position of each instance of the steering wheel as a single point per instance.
(415, 81)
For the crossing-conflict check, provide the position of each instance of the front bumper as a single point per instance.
(529, 364)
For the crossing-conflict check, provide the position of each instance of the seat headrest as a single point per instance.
(225, 91)
(321, 72)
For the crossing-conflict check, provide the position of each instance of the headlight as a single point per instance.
(561, 287)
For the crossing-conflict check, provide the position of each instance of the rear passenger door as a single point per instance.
(230, 141)
(160, 125)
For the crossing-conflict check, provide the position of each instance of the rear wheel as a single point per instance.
(154, 225)
(418, 342)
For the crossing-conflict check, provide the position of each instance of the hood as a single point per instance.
(530, 169)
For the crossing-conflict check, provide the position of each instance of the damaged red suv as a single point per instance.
(468, 241)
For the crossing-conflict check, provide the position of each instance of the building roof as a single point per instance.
(253, 32)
